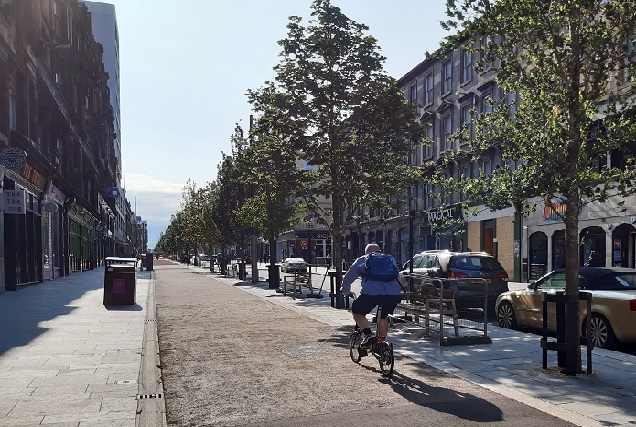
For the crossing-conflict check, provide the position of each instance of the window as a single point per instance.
(556, 281)
(447, 131)
(428, 89)
(511, 103)
(486, 167)
(430, 138)
(428, 197)
(486, 60)
(447, 76)
(467, 65)
(413, 94)
(467, 123)
(12, 107)
(486, 103)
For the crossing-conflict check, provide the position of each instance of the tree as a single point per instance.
(232, 193)
(569, 62)
(352, 126)
(269, 166)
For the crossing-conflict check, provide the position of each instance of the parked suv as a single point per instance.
(467, 267)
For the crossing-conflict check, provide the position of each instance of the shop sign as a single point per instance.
(440, 217)
(51, 207)
(13, 158)
(56, 194)
(112, 192)
(556, 210)
(14, 202)
(33, 176)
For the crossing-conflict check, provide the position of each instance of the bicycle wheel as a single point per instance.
(385, 357)
(354, 346)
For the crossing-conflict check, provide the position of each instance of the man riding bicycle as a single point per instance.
(385, 292)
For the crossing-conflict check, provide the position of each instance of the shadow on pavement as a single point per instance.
(442, 399)
(45, 301)
(113, 307)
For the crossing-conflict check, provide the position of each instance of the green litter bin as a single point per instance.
(120, 281)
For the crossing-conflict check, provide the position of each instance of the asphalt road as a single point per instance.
(231, 358)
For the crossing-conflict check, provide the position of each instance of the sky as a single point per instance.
(185, 68)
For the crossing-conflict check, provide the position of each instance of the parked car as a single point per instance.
(467, 268)
(296, 265)
(613, 304)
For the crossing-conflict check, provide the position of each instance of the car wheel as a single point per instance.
(506, 316)
(602, 335)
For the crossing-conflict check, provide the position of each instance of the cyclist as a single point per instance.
(385, 293)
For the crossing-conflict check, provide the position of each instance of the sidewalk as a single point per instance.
(66, 360)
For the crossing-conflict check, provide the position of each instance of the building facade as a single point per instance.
(449, 93)
(58, 165)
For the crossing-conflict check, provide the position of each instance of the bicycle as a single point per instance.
(383, 351)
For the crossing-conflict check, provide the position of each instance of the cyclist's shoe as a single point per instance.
(367, 340)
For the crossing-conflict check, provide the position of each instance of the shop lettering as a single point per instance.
(556, 211)
(441, 215)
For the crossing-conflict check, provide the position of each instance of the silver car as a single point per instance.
(295, 265)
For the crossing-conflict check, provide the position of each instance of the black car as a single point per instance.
(466, 273)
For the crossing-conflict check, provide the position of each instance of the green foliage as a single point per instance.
(344, 116)
(568, 63)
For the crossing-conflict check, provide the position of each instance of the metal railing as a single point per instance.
(454, 309)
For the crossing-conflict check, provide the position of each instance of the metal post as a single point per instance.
(254, 259)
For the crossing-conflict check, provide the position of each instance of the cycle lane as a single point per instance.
(232, 358)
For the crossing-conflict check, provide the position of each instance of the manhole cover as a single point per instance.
(307, 350)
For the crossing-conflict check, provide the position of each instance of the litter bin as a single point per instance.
(120, 281)
(273, 274)
(149, 262)
(241, 270)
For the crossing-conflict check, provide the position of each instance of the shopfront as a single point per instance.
(607, 237)
(22, 232)
(80, 237)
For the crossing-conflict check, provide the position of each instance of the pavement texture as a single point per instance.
(199, 349)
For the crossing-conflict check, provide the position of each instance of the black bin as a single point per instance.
(120, 281)
(149, 261)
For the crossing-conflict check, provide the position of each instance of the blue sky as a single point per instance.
(185, 68)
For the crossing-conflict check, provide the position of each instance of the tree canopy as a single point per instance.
(569, 65)
(346, 118)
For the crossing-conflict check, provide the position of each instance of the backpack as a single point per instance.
(381, 267)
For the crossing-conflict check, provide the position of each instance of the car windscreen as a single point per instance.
(476, 263)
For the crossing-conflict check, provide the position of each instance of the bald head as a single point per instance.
(372, 247)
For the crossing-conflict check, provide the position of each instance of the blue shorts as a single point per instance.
(364, 304)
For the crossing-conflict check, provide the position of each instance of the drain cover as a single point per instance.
(149, 396)
(126, 382)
